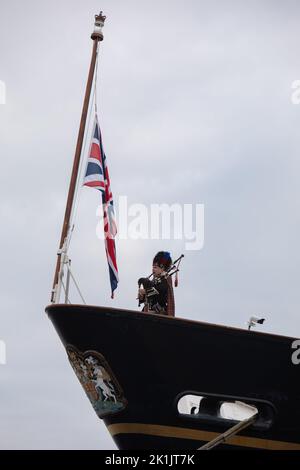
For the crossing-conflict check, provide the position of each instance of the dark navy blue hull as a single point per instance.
(135, 367)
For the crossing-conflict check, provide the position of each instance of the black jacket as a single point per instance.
(156, 293)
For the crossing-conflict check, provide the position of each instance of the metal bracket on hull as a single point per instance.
(229, 433)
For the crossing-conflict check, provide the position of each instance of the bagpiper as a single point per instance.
(156, 291)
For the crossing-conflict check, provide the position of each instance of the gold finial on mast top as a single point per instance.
(99, 23)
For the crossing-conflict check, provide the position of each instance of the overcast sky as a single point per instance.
(195, 107)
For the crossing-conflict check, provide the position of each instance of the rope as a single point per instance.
(78, 186)
(96, 78)
(65, 291)
(76, 285)
(79, 182)
(83, 152)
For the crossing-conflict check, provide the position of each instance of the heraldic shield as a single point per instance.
(98, 381)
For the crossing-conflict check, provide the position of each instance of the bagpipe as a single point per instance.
(148, 285)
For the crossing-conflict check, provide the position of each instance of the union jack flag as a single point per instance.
(96, 176)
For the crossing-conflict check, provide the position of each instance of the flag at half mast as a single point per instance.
(97, 176)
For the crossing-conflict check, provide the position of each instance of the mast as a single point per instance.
(96, 36)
